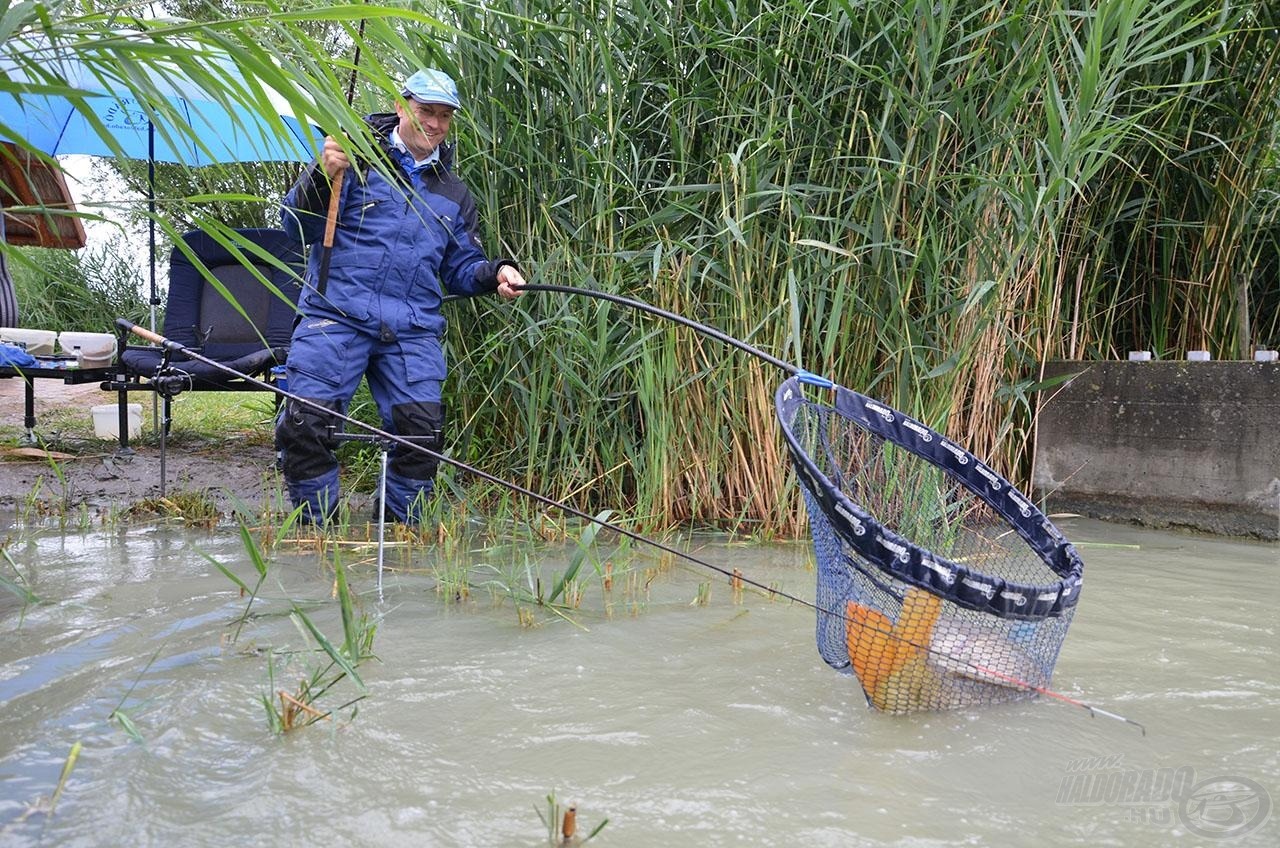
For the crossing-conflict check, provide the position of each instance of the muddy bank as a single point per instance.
(87, 470)
(229, 474)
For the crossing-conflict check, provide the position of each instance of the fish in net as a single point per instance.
(940, 585)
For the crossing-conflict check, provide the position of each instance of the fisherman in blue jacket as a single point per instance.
(401, 243)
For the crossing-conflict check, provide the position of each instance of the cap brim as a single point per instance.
(431, 101)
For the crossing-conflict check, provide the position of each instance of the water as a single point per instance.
(707, 725)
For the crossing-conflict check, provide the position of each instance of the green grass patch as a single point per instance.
(199, 418)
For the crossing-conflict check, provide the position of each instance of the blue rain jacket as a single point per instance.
(400, 245)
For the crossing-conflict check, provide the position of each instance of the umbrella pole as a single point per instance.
(151, 217)
(155, 301)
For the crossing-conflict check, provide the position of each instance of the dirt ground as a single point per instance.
(95, 475)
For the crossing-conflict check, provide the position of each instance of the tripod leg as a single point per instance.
(382, 516)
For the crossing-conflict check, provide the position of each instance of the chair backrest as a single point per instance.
(198, 315)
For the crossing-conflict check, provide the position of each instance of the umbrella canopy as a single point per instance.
(72, 99)
(179, 101)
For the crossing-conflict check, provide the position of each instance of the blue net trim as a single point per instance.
(880, 547)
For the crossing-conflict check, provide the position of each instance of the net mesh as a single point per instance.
(939, 585)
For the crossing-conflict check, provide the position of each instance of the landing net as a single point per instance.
(939, 584)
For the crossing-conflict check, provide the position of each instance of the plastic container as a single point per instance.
(280, 376)
(1266, 355)
(96, 349)
(1198, 356)
(1139, 356)
(106, 421)
(36, 342)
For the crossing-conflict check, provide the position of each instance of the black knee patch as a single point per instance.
(424, 423)
(305, 436)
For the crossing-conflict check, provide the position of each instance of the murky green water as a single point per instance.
(681, 723)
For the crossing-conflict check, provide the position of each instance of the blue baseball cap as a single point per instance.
(431, 85)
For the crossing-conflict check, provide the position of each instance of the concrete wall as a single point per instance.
(1191, 444)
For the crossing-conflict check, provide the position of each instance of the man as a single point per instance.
(401, 242)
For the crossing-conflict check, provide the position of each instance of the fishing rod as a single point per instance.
(641, 306)
(734, 575)
(407, 442)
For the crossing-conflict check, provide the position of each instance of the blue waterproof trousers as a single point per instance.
(327, 359)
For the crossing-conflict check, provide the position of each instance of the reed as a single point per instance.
(301, 708)
(18, 585)
(288, 710)
(561, 823)
(256, 556)
(122, 715)
(922, 201)
(79, 290)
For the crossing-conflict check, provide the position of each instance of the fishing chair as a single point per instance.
(200, 316)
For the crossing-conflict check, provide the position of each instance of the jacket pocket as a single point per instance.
(424, 301)
(423, 358)
(320, 353)
(353, 276)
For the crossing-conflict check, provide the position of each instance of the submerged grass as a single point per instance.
(289, 710)
(195, 508)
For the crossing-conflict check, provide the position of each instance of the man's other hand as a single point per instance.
(509, 277)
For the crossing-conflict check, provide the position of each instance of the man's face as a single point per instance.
(423, 125)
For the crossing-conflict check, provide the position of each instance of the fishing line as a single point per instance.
(176, 347)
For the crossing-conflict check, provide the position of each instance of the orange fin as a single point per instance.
(920, 613)
(872, 646)
(888, 657)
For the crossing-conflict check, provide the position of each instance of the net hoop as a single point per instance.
(906, 561)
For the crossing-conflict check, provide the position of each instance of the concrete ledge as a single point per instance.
(1165, 444)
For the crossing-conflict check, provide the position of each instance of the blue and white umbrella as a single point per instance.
(99, 98)
(72, 99)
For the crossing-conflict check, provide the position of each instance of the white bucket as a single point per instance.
(106, 421)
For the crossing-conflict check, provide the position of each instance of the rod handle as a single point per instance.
(335, 200)
(129, 327)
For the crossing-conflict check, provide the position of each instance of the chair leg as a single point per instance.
(29, 412)
(122, 422)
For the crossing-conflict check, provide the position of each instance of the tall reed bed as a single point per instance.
(921, 200)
